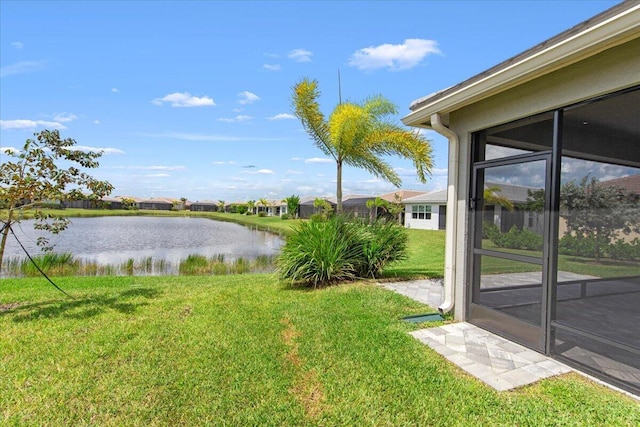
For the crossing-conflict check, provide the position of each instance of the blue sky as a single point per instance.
(192, 99)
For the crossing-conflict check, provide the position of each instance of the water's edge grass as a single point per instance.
(425, 248)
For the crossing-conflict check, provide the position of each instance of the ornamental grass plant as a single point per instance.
(340, 248)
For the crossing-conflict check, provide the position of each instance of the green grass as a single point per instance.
(244, 350)
(426, 256)
(580, 265)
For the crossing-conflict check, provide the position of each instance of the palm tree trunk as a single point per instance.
(339, 187)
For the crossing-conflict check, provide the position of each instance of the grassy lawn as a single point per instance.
(580, 265)
(244, 350)
(425, 256)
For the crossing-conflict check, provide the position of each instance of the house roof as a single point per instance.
(612, 27)
(433, 197)
(402, 194)
(205, 202)
(160, 200)
(515, 193)
(629, 183)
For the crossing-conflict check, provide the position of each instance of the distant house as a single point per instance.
(514, 212)
(276, 208)
(307, 207)
(81, 204)
(426, 211)
(400, 195)
(356, 205)
(397, 197)
(157, 204)
(204, 206)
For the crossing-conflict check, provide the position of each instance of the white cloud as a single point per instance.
(220, 162)
(282, 116)
(300, 55)
(29, 124)
(271, 67)
(239, 118)
(17, 45)
(292, 172)
(97, 122)
(395, 57)
(157, 175)
(115, 90)
(185, 99)
(96, 149)
(65, 117)
(260, 172)
(318, 160)
(21, 68)
(247, 97)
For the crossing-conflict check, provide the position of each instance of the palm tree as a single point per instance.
(221, 205)
(264, 203)
(491, 197)
(359, 135)
(293, 202)
(373, 206)
(251, 205)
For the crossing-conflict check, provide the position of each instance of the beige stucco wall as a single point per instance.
(615, 69)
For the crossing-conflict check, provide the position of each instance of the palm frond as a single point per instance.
(375, 166)
(306, 107)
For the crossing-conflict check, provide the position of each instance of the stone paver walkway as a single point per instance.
(498, 362)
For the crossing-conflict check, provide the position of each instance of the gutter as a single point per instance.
(452, 212)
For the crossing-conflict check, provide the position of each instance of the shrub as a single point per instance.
(262, 214)
(327, 251)
(516, 239)
(317, 217)
(625, 251)
(577, 246)
(383, 243)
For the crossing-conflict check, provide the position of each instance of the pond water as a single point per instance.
(114, 240)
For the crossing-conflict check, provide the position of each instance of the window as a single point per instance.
(421, 211)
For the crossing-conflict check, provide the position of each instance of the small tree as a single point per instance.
(221, 205)
(293, 203)
(128, 203)
(373, 205)
(324, 206)
(251, 206)
(35, 176)
(396, 208)
(598, 212)
(264, 203)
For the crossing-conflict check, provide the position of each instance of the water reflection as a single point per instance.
(115, 240)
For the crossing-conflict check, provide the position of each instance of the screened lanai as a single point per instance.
(564, 275)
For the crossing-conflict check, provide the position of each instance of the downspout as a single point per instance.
(452, 213)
